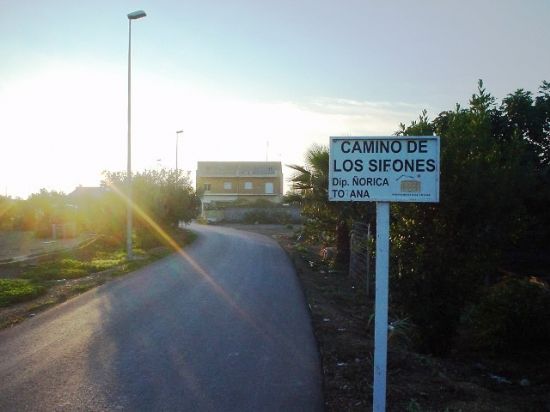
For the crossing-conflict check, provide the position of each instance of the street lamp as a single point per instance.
(132, 16)
(177, 135)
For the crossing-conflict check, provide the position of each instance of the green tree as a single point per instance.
(494, 202)
(100, 210)
(531, 118)
(7, 213)
(41, 210)
(311, 182)
(165, 197)
(326, 221)
(444, 251)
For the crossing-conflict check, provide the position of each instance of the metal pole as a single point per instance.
(129, 165)
(177, 139)
(129, 203)
(381, 305)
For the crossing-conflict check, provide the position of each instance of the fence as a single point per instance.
(361, 253)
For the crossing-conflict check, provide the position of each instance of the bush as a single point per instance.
(62, 269)
(18, 290)
(146, 238)
(512, 317)
(267, 217)
(70, 273)
(443, 251)
(97, 265)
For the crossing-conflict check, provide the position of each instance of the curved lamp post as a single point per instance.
(131, 16)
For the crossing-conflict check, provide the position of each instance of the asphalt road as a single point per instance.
(225, 328)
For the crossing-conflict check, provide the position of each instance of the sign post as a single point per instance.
(383, 170)
(381, 305)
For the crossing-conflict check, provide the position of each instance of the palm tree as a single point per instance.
(311, 182)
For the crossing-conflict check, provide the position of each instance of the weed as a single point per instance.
(55, 271)
(71, 264)
(413, 406)
(18, 290)
(43, 305)
(97, 255)
(301, 248)
(400, 331)
(97, 265)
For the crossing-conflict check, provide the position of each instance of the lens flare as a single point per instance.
(140, 213)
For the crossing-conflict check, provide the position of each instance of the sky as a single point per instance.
(244, 80)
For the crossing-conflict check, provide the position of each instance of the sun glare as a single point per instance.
(155, 227)
(65, 125)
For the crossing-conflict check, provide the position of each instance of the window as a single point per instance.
(269, 188)
(227, 185)
(248, 185)
(207, 186)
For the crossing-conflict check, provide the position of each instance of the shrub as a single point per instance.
(513, 316)
(266, 216)
(97, 265)
(71, 264)
(146, 239)
(18, 290)
(70, 273)
(62, 269)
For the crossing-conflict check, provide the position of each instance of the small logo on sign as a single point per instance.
(410, 186)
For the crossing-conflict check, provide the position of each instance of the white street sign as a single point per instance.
(384, 169)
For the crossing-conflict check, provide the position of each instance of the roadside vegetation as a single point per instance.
(469, 275)
(162, 199)
(18, 290)
(260, 211)
(166, 197)
(343, 319)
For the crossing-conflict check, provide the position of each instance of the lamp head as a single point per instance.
(138, 14)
